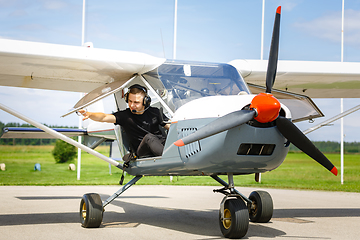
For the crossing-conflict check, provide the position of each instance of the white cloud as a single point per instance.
(18, 13)
(31, 27)
(7, 3)
(54, 5)
(289, 5)
(352, 27)
(328, 27)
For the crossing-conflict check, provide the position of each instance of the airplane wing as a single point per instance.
(312, 78)
(68, 68)
(82, 69)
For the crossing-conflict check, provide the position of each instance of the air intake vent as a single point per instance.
(256, 149)
(192, 148)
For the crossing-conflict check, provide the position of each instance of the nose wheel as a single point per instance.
(261, 208)
(236, 210)
(235, 220)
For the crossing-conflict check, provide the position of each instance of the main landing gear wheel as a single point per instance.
(236, 219)
(91, 210)
(261, 209)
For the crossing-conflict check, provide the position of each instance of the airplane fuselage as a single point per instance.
(249, 148)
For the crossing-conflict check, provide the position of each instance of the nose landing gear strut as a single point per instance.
(236, 210)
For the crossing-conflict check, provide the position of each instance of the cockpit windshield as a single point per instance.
(182, 82)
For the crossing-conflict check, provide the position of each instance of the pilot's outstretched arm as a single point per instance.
(98, 116)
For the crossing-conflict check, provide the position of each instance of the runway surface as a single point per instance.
(171, 212)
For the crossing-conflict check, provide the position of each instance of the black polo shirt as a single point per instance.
(137, 126)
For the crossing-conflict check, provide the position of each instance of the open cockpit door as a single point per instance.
(98, 94)
(301, 106)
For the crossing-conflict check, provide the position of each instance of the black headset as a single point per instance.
(147, 98)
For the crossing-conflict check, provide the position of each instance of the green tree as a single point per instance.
(63, 151)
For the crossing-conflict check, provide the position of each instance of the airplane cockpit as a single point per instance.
(179, 82)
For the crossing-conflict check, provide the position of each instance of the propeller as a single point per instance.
(226, 122)
(296, 137)
(264, 108)
(274, 50)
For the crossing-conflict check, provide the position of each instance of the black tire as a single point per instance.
(91, 210)
(236, 219)
(261, 210)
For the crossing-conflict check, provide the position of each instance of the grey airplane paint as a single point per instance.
(218, 154)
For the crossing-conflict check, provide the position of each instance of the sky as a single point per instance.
(207, 30)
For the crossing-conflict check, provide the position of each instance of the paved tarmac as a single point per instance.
(171, 212)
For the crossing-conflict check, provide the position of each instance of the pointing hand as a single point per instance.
(84, 113)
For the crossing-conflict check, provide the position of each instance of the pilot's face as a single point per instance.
(135, 102)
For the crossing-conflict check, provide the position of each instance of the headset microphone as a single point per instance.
(134, 111)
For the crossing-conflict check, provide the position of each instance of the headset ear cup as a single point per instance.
(147, 101)
(126, 97)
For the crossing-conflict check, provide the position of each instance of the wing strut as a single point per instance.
(333, 119)
(60, 136)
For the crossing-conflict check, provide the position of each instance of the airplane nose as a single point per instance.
(266, 106)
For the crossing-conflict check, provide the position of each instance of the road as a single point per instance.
(171, 212)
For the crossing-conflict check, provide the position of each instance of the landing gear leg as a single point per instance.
(233, 214)
(121, 190)
(229, 186)
(91, 207)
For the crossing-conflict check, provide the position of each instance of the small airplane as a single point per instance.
(220, 124)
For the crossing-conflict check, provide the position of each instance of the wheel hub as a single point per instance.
(83, 211)
(227, 219)
(253, 210)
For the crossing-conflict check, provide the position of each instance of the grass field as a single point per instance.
(297, 172)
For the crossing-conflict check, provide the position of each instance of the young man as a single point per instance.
(140, 122)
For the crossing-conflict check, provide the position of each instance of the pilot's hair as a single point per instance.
(137, 88)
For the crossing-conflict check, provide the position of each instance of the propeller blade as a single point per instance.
(296, 137)
(274, 50)
(226, 122)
